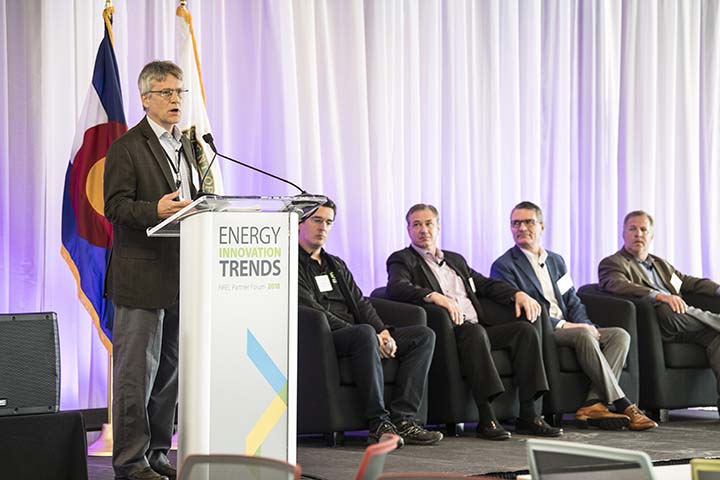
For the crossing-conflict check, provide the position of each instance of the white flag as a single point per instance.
(195, 122)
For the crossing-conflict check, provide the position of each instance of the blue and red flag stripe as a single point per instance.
(86, 233)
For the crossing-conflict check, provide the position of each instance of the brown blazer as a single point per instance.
(143, 272)
(620, 274)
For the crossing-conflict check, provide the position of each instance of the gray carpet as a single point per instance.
(689, 434)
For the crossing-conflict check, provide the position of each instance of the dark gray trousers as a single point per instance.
(522, 341)
(145, 386)
(415, 346)
(695, 326)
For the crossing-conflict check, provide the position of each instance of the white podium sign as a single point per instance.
(238, 325)
(238, 321)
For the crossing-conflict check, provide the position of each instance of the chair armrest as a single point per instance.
(711, 303)
(439, 320)
(378, 293)
(651, 355)
(445, 378)
(609, 311)
(645, 317)
(551, 358)
(399, 314)
(318, 374)
(316, 348)
(446, 357)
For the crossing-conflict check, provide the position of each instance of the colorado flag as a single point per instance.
(86, 233)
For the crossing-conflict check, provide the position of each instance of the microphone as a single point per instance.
(542, 265)
(210, 141)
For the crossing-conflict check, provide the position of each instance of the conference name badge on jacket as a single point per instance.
(564, 283)
(676, 282)
(323, 283)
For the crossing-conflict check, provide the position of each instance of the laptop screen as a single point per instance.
(564, 466)
(562, 460)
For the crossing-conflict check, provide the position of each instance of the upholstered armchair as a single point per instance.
(672, 374)
(328, 400)
(568, 383)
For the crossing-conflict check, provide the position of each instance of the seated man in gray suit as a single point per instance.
(601, 352)
(634, 272)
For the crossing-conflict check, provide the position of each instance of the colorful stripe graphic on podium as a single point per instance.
(277, 407)
(86, 233)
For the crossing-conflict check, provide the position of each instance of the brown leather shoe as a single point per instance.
(598, 415)
(638, 420)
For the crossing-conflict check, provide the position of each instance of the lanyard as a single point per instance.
(175, 168)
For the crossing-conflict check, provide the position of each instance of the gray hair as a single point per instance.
(156, 72)
(638, 213)
(421, 206)
(526, 205)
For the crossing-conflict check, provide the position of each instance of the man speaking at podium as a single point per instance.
(148, 177)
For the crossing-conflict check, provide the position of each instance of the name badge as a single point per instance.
(472, 284)
(676, 282)
(323, 283)
(565, 283)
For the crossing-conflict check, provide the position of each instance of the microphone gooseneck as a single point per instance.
(210, 141)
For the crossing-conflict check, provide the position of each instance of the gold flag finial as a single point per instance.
(107, 17)
(183, 12)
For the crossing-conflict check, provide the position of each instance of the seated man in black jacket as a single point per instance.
(422, 273)
(326, 284)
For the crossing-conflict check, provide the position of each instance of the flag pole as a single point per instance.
(183, 12)
(103, 445)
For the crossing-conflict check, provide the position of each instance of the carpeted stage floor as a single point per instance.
(688, 434)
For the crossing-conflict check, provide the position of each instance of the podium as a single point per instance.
(238, 324)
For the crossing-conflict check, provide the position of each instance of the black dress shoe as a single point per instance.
(537, 427)
(165, 469)
(492, 431)
(146, 473)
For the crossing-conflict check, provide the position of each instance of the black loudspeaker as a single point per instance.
(29, 363)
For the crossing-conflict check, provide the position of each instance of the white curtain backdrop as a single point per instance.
(589, 108)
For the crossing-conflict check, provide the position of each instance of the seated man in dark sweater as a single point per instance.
(326, 284)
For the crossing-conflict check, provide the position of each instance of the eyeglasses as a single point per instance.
(167, 93)
(320, 221)
(529, 223)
